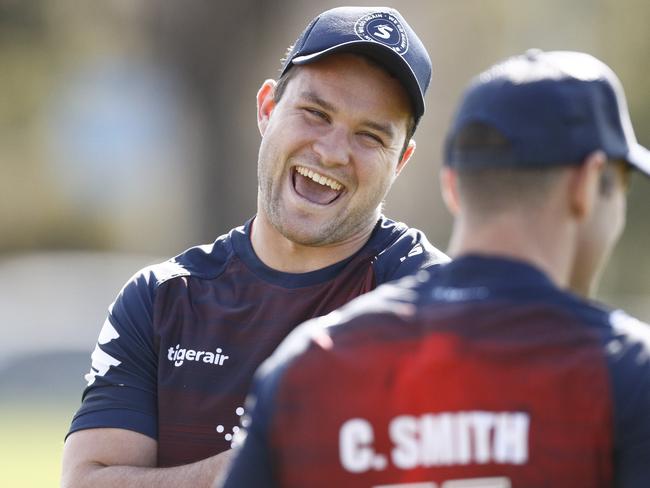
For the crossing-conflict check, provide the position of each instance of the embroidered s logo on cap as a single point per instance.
(383, 28)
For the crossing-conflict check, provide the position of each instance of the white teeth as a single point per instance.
(323, 180)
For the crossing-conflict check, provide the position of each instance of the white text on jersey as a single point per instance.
(179, 355)
(443, 439)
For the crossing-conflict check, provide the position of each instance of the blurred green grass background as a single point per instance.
(32, 443)
(39, 394)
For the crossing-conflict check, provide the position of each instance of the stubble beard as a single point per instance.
(343, 227)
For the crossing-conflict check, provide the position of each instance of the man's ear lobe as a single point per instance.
(585, 184)
(449, 190)
(265, 104)
(410, 149)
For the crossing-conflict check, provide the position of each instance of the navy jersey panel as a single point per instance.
(629, 357)
(189, 334)
(495, 377)
(410, 253)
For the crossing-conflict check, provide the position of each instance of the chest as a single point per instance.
(211, 336)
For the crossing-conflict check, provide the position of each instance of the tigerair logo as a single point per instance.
(178, 355)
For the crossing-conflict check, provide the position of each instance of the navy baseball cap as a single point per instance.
(552, 108)
(378, 32)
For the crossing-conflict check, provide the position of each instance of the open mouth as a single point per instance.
(315, 187)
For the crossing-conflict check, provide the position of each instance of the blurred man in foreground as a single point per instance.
(484, 372)
(177, 353)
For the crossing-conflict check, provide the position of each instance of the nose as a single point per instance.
(333, 146)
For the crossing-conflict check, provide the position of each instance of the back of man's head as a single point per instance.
(526, 164)
(490, 190)
(526, 119)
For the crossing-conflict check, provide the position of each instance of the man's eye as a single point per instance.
(373, 138)
(316, 113)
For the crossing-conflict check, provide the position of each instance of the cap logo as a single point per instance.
(383, 28)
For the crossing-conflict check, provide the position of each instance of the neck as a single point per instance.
(282, 254)
(548, 247)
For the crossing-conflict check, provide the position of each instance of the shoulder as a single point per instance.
(629, 343)
(630, 327)
(625, 338)
(402, 250)
(626, 348)
(628, 354)
(202, 261)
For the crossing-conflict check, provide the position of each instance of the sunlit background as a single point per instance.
(128, 133)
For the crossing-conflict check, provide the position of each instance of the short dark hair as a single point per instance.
(283, 81)
(488, 188)
(481, 145)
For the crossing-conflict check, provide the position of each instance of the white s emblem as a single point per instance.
(385, 28)
(384, 31)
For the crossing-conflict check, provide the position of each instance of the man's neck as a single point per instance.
(282, 254)
(548, 249)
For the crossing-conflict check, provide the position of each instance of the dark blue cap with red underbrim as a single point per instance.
(378, 32)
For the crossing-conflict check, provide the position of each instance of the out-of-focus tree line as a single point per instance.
(130, 125)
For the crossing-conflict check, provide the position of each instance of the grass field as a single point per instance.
(32, 442)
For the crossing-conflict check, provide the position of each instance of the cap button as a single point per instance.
(533, 54)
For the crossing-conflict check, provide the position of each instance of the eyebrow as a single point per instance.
(386, 129)
(312, 97)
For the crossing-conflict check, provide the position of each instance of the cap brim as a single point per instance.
(639, 157)
(395, 63)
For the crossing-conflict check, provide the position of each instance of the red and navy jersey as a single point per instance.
(177, 353)
(479, 373)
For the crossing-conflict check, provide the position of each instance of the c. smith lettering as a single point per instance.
(441, 439)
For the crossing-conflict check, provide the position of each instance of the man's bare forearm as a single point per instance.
(199, 474)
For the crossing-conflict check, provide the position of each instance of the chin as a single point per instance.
(305, 237)
(318, 231)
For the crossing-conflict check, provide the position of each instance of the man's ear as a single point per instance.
(449, 190)
(265, 104)
(410, 149)
(585, 184)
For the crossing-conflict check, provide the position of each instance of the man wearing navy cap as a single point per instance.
(178, 350)
(486, 371)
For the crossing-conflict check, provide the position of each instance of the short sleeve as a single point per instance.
(121, 389)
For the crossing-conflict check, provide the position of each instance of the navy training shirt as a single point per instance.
(177, 353)
(479, 373)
